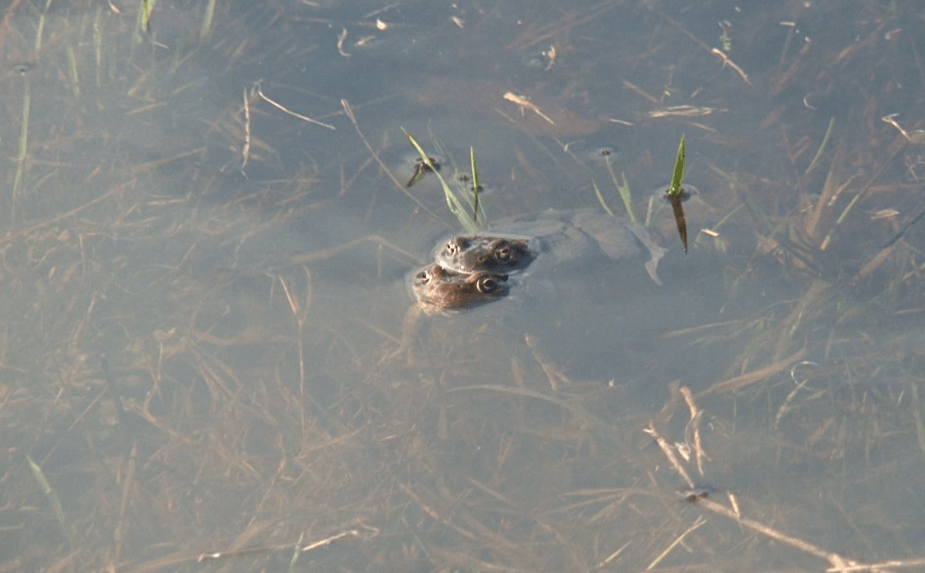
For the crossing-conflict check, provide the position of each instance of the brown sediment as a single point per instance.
(245, 414)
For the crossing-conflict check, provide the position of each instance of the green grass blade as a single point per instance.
(455, 205)
(23, 148)
(917, 413)
(678, 176)
(295, 554)
(677, 195)
(98, 43)
(75, 74)
(52, 498)
(623, 188)
(476, 187)
(600, 198)
(208, 18)
(147, 7)
(41, 27)
(822, 146)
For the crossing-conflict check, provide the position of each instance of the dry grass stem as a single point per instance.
(727, 62)
(524, 103)
(694, 426)
(282, 108)
(837, 562)
(669, 453)
(749, 378)
(201, 366)
(348, 109)
(246, 150)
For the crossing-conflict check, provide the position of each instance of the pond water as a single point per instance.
(207, 355)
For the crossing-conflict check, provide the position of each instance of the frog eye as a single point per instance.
(431, 273)
(489, 283)
(456, 245)
(503, 250)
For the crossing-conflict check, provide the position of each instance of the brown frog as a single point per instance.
(470, 253)
(552, 238)
(441, 291)
(438, 289)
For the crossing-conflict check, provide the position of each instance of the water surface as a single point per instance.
(205, 293)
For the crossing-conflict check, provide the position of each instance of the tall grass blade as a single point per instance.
(600, 198)
(917, 414)
(23, 146)
(52, 498)
(295, 554)
(678, 176)
(821, 150)
(452, 200)
(206, 30)
(75, 75)
(623, 188)
(677, 195)
(476, 187)
(98, 43)
(147, 8)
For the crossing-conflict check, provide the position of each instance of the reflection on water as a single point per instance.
(199, 353)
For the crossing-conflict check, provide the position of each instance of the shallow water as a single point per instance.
(198, 351)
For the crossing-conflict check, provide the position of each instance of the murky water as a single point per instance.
(206, 231)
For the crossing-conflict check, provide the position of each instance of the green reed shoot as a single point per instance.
(623, 188)
(206, 30)
(98, 43)
(677, 195)
(917, 413)
(822, 146)
(600, 198)
(52, 498)
(72, 68)
(678, 175)
(452, 200)
(23, 144)
(147, 7)
(476, 187)
(295, 554)
(40, 29)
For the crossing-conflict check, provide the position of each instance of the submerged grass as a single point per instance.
(205, 31)
(622, 186)
(23, 150)
(237, 386)
(53, 500)
(456, 205)
(476, 186)
(677, 195)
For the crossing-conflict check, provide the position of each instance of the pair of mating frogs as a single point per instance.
(472, 270)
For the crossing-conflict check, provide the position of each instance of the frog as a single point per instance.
(471, 253)
(438, 291)
(441, 290)
(473, 270)
(554, 238)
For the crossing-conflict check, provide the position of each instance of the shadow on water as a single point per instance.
(205, 357)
